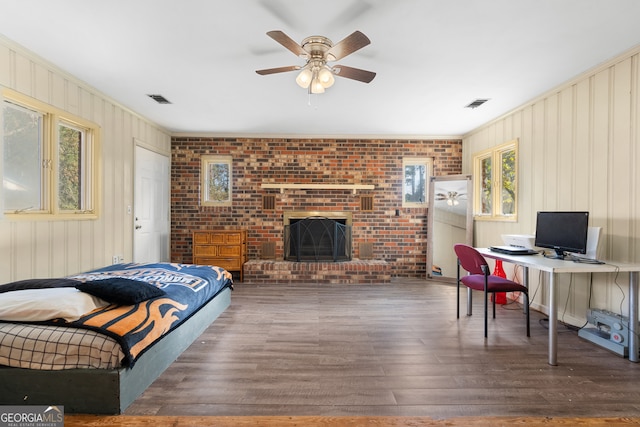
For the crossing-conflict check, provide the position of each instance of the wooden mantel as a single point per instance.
(309, 186)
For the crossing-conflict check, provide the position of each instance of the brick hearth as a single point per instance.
(348, 272)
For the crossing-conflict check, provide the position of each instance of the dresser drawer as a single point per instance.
(229, 264)
(221, 248)
(205, 250)
(229, 251)
(200, 237)
(230, 238)
(218, 238)
(233, 238)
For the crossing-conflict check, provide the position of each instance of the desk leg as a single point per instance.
(633, 316)
(553, 321)
(525, 283)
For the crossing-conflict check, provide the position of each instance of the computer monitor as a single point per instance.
(562, 232)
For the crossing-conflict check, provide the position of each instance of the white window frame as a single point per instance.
(206, 161)
(49, 193)
(427, 162)
(494, 154)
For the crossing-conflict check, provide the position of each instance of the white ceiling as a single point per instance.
(432, 58)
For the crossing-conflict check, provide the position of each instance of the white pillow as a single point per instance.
(33, 305)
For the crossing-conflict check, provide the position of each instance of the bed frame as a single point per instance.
(107, 391)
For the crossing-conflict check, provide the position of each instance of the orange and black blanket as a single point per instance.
(136, 327)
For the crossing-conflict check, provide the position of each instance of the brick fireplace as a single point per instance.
(290, 270)
(276, 176)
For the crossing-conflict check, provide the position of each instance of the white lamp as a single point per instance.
(316, 86)
(326, 77)
(304, 78)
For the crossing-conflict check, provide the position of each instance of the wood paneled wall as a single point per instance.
(31, 248)
(579, 149)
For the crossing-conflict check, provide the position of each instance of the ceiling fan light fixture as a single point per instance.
(326, 77)
(316, 86)
(304, 78)
(316, 75)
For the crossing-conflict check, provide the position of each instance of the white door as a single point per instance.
(151, 207)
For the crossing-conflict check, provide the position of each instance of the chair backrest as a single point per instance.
(470, 259)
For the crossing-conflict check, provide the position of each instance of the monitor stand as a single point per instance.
(559, 254)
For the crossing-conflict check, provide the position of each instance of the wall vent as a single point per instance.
(366, 250)
(477, 103)
(366, 203)
(159, 99)
(268, 250)
(268, 202)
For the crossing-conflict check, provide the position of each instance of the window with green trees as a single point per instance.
(416, 172)
(50, 160)
(495, 181)
(70, 167)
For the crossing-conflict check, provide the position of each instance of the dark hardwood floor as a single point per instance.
(385, 350)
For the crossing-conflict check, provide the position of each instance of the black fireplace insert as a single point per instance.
(316, 239)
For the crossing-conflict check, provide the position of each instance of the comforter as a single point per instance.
(185, 288)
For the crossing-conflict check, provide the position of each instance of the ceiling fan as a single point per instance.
(451, 197)
(317, 75)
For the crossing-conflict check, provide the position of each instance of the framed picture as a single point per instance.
(216, 177)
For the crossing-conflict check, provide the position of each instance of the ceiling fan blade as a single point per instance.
(288, 42)
(347, 46)
(353, 73)
(277, 70)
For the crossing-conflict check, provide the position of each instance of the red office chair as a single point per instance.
(481, 279)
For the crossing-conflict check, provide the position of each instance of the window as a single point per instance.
(50, 161)
(495, 180)
(74, 154)
(415, 178)
(215, 186)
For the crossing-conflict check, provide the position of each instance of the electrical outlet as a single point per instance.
(115, 259)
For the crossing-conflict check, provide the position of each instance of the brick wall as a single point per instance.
(398, 239)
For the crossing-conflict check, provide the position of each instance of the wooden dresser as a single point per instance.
(222, 248)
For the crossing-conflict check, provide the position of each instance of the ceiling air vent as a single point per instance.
(477, 103)
(159, 99)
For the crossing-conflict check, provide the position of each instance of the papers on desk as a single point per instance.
(512, 250)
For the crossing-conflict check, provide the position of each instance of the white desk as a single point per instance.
(557, 266)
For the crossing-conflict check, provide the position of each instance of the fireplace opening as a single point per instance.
(317, 238)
